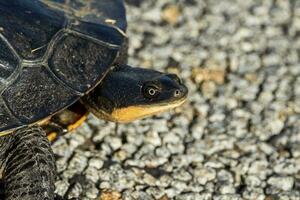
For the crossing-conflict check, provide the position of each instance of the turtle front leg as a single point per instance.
(29, 171)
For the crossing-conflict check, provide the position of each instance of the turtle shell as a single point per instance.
(50, 58)
(95, 11)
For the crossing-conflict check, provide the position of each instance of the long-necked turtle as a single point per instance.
(52, 56)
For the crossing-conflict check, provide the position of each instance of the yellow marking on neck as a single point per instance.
(52, 136)
(131, 113)
(78, 123)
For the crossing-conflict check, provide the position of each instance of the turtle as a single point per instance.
(61, 57)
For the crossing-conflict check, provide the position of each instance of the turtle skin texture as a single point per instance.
(29, 165)
(49, 59)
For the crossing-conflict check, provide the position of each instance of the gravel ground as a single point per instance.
(238, 135)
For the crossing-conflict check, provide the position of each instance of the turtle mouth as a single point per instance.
(131, 113)
(136, 112)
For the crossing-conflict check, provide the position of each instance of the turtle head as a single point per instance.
(130, 93)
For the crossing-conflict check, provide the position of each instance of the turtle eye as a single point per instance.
(150, 91)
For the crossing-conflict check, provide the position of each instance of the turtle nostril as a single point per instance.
(177, 93)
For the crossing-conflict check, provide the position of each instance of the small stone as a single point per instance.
(172, 192)
(208, 89)
(253, 181)
(160, 126)
(227, 189)
(225, 176)
(204, 175)
(254, 193)
(76, 165)
(182, 175)
(283, 183)
(153, 138)
(92, 192)
(205, 196)
(96, 163)
(189, 196)
(156, 192)
(164, 181)
(171, 14)
(171, 138)
(75, 191)
(208, 74)
(214, 164)
(194, 186)
(164, 197)
(180, 186)
(259, 168)
(266, 148)
(228, 197)
(110, 195)
(141, 195)
(61, 187)
(286, 168)
(105, 185)
(149, 180)
(91, 174)
(120, 155)
(115, 143)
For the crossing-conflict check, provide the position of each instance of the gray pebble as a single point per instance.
(283, 183)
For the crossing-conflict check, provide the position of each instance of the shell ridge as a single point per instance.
(14, 74)
(10, 47)
(60, 81)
